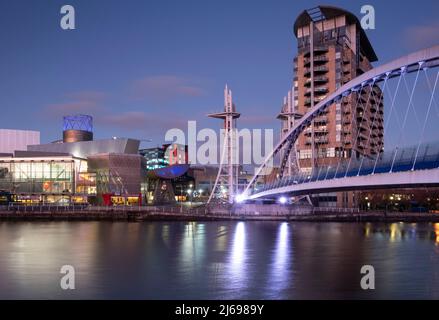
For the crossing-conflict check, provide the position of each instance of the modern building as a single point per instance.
(176, 153)
(98, 172)
(154, 158)
(83, 149)
(46, 179)
(119, 177)
(166, 155)
(11, 140)
(332, 50)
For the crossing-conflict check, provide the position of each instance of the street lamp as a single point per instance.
(189, 192)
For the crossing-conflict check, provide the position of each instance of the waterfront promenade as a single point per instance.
(202, 213)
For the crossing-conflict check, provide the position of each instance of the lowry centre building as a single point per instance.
(76, 169)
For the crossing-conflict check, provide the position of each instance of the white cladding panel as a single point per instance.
(11, 140)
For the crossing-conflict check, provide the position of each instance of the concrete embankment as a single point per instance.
(127, 215)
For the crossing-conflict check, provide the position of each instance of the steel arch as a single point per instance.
(426, 58)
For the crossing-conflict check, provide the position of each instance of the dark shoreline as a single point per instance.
(160, 216)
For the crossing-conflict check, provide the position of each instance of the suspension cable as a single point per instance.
(425, 122)
(406, 114)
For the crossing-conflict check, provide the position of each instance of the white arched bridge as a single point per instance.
(402, 167)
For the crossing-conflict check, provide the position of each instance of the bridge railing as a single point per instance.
(423, 157)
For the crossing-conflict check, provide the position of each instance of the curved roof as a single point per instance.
(330, 12)
(170, 172)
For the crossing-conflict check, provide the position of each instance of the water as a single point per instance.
(218, 260)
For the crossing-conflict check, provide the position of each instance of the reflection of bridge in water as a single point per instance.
(402, 167)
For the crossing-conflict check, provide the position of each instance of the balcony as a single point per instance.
(317, 60)
(362, 68)
(321, 120)
(321, 58)
(346, 121)
(320, 49)
(345, 79)
(317, 49)
(363, 98)
(360, 109)
(363, 126)
(321, 69)
(317, 91)
(321, 131)
(321, 90)
(363, 136)
(308, 101)
(362, 145)
(317, 80)
(321, 79)
(317, 140)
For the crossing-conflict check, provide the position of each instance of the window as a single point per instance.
(305, 154)
(330, 152)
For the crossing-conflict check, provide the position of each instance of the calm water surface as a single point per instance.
(218, 260)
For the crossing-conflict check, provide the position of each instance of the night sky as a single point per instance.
(142, 67)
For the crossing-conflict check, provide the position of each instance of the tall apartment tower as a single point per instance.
(332, 50)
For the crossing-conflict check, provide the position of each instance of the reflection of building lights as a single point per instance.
(368, 229)
(279, 277)
(395, 232)
(238, 253)
(436, 231)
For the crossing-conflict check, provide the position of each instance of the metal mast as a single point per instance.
(288, 117)
(226, 182)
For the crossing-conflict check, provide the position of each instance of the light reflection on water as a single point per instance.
(237, 270)
(279, 279)
(218, 260)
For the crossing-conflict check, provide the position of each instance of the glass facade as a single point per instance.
(155, 158)
(26, 176)
(45, 179)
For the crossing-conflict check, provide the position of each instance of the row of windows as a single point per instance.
(27, 170)
(322, 153)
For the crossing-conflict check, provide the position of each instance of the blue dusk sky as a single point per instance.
(143, 67)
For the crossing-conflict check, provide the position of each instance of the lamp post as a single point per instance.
(189, 192)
